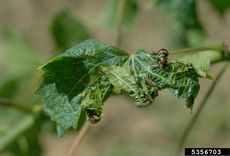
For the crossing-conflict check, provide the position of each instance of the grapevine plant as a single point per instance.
(77, 83)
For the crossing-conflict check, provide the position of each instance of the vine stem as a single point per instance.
(19, 106)
(120, 15)
(190, 125)
(77, 142)
(217, 48)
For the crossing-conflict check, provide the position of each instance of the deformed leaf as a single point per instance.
(184, 82)
(181, 79)
(135, 85)
(81, 79)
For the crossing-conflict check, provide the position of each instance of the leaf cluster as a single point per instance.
(80, 80)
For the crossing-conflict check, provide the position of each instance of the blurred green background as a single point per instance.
(33, 31)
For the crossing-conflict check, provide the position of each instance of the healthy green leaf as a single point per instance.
(66, 31)
(108, 16)
(81, 79)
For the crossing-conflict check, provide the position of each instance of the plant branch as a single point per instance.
(217, 48)
(20, 106)
(190, 125)
(120, 15)
(75, 146)
(215, 53)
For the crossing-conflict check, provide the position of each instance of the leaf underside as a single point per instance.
(81, 79)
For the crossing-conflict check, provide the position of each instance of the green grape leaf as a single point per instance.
(68, 75)
(108, 16)
(137, 86)
(80, 80)
(181, 79)
(66, 31)
(200, 62)
(221, 6)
